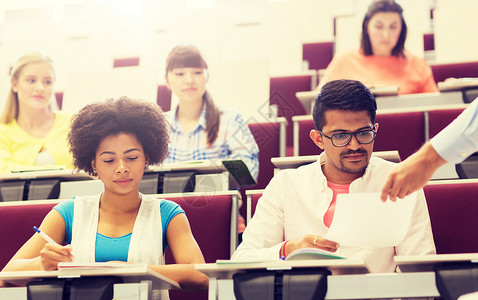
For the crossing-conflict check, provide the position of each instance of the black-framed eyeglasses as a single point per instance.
(343, 138)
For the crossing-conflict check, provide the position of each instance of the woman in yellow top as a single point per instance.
(32, 135)
(382, 59)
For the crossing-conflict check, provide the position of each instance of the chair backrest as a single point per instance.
(428, 41)
(213, 221)
(404, 132)
(282, 94)
(164, 97)
(16, 224)
(126, 62)
(453, 208)
(267, 136)
(305, 145)
(253, 197)
(439, 119)
(456, 70)
(318, 55)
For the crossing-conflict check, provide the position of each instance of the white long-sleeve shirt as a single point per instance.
(295, 201)
(459, 139)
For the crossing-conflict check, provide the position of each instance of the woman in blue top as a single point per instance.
(116, 140)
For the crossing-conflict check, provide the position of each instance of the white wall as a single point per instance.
(85, 36)
(456, 27)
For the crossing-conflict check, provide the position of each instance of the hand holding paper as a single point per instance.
(363, 220)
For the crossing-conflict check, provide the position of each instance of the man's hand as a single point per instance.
(412, 174)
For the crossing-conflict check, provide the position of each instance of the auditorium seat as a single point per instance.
(270, 138)
(213, 221)
(17, 219)
(318, 55)
(303, 145)
(164, 98)
(456, 70)
(211, 216)
(453, 207)
(439, 119)
(252, 198)
(59, 99)
(428, 42)
(402, 131)
(282, 94)
(126, 62)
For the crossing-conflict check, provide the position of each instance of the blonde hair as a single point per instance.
(11, 110)
(188, 56)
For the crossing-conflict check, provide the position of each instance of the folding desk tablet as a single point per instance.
(297, 279)
(455, 274)
(83, 283)
(36, 184)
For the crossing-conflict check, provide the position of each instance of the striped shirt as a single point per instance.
(234, 141)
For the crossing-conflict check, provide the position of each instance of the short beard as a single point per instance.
(353, 171)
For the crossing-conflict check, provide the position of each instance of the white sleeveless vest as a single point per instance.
(146, 245)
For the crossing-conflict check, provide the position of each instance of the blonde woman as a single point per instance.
(32, 135)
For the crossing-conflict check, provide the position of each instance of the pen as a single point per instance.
(44, 235)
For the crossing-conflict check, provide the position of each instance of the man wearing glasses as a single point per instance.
(297, 207)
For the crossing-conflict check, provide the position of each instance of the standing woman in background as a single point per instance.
(382, 59)
(32, 136)
(200, 130)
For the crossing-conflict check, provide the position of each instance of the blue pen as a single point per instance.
(44, 235)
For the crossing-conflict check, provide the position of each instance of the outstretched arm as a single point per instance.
(412, 174)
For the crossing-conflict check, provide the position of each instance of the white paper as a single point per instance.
(363, 220)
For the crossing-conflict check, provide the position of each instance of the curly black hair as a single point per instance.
(98, 120)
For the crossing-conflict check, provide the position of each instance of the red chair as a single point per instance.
(439, 119)
(428, 41)
(453, 207)
(318, 55)
(126, 62)
(17, 219)
(303, 144)
(456, 70)
(282, 94)
(164, 98)
(404, 132)
(253, 197)
(211, 215)
(213, 221)
(268, 137)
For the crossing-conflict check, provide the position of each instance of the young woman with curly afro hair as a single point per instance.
(116, 140)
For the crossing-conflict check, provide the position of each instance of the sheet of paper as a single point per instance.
(363, 220)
